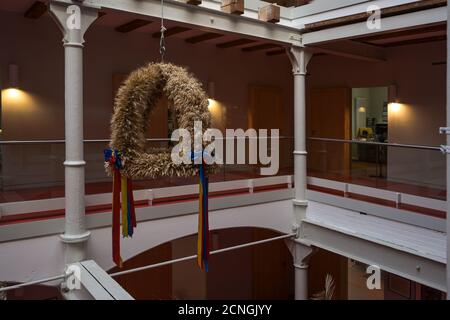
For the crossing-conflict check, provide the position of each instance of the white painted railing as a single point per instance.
(397, 197)
(23, 207)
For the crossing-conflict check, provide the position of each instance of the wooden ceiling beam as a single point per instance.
(234, 43)
(193, 2)
(290, 3)
(260, 47)
(203, 37)
(276, 52)
(132, 25)
(385, 12)
(413, 41)
(403, 33)
(352, 49)
(171, 31)
(36, 10)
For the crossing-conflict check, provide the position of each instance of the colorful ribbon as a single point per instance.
(203, 219)
(122, 185)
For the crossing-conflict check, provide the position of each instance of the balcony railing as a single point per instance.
(400, 176)
(409, 177)
(412, 169)
(33, 170)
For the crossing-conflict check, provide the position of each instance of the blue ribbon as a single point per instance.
(200, 154)
(115, 155)
(204, 181)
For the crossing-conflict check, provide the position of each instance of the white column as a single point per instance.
(73, 21)
(301, 281)
(448, 157)
(299, 58)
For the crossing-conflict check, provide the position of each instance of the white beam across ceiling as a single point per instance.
(404, 21)
(402, 263)
(202, 18)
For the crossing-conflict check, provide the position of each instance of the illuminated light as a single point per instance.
(215, 108)
(394, 107)
(212, 104)
(12, 93)
(16, 99)
(362, 109)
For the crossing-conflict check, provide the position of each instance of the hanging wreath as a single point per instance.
(128, 157)
(136, 100)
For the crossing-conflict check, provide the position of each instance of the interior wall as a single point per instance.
(188, 281)
(357, 283)
(420, 85)
(36, 47)
(28, 259)
(108, 52)
(231, 275)
(421, 92)
(323, 263)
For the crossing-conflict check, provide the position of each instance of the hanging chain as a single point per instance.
(162, 42)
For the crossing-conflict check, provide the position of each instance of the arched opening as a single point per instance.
(264, 271)
(33, 292)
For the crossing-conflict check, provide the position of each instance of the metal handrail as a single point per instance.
(240, 246)
(60, 141)
(400, 145)
(31, 283)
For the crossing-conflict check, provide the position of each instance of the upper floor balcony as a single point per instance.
(359, 147)
(356, 133)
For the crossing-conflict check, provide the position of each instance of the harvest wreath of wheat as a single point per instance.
(127, 158)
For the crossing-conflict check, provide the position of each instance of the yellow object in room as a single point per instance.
(365, 133)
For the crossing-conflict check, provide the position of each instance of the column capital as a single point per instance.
(301, 253)
(299, 58)
(73, 20)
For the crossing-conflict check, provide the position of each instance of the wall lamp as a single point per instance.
(211, 95)
(211, 90)
(12, 90)
(394, 104)
(13, 73)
